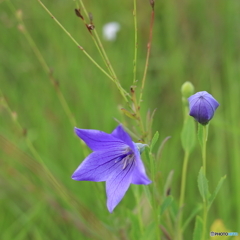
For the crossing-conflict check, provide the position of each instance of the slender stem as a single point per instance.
(184, 175)
(33, 150)
(105, 58)
(99, 44)
(135, 41)
(138, 201)
(47, 70)
(204, 220)
(182, 193)
(83, 7)
(154, 199)
(61, 26)
(148, 54)
(86, 216)
(137, 111)
(205, 134)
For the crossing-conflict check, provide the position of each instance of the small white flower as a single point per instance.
(110, 31)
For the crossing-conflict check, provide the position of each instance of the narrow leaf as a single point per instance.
(128, 114)
(191, 216)
(162, 146)
(166, 203)
(198, 229)
(211, 199)
(203, 184)
(168, 183)
(154, 140)
(149, 233)
(148, 194)
(134, 231)
(188, 135)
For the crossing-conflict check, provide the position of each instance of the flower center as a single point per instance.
(126, 160)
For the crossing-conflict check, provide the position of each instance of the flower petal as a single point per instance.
(139, 175)
(98, 140)
(121, 134)
(98, 166)
(117, 184)
(214, 104)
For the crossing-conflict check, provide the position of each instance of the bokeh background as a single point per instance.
(193, 40)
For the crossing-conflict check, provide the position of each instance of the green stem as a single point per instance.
(47, 70)
(135, 41)
(184, 175)
(138, 201)
(87, 218)
(204, 220)
(204, 144)
(154, 199)
(105, 58)
(205, 134)
(71, 37)
(182, 193)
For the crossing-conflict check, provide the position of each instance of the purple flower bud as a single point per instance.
(202, 106)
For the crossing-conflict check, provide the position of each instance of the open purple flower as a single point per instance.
(202, 106)
(115, 159)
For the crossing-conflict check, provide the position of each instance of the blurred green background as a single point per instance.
(193, 40)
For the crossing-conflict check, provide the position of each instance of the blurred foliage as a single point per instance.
(193, 40)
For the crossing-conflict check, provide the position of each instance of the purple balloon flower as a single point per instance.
(115, 159)
(202, 106)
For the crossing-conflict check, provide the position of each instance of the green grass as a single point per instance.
(195, 41)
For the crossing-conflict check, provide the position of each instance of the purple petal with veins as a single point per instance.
(115, 159)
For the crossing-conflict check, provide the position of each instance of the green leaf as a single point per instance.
(134, 231)
(148, 194)
(198, 229)
(128, 114)
(168, 182)
(188, 135)
(191, 216)
(149, 233)
(154, 140)
(174, 209)
(212, 197)
(166, 203)
(203, 185)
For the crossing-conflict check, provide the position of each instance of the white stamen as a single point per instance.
(128, 159)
